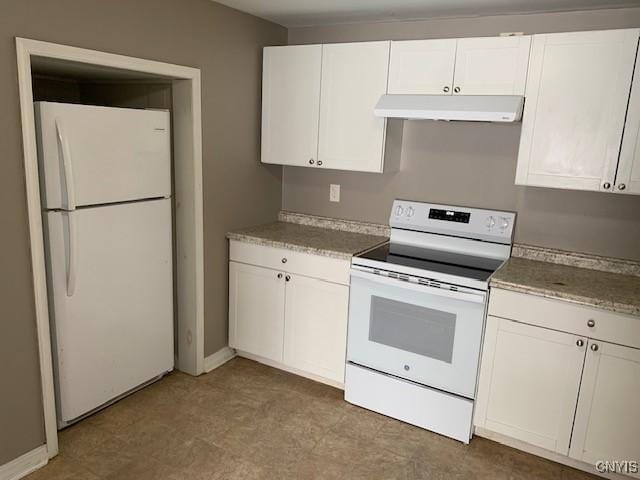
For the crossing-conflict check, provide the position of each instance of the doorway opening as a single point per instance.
(54, 72)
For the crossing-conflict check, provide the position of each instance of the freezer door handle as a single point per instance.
(72, 265)
(67, 166)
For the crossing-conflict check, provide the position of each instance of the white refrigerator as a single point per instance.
(105, 176)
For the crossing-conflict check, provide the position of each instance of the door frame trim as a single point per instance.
(186, 87)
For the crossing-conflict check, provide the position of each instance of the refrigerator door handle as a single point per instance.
(73, 256)
(67, 166)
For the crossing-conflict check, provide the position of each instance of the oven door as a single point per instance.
(426, 334)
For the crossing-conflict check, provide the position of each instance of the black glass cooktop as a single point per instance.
(469, 266)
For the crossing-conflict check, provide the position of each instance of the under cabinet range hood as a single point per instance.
(468, 108)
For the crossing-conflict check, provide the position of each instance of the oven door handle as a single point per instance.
(394, 282)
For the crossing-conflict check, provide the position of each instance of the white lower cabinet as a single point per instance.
(256, 310)
(607, 425)
(315, 326)
(296, 321)
(529, 384)
(556, 383)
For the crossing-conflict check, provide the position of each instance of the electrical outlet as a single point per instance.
(334, 193)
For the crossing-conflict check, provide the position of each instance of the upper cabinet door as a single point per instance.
(607, 423)
(290, 102)
(354, 76)
(577, 92)
(628, 176)
(491, 66)
(422, 67)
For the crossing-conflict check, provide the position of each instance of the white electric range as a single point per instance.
(417, 311)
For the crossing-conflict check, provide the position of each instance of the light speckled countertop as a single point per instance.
(601, 282)
(607, 290)
(308, 239)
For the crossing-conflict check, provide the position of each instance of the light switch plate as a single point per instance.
(334, 193)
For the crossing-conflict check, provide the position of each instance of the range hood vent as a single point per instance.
(468, 108)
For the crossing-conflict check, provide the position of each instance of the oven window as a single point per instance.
(412, 328)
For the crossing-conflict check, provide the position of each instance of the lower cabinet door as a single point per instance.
(316, 326)
(256, 310)
(529, 381)
(607, 425)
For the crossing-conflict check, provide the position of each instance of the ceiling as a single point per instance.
(297, 13)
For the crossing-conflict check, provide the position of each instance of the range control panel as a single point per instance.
(449, 215)
(490, 225)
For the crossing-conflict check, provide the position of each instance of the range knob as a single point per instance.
(410, 212)
(491, 221)
(399, 210)
(504, 223)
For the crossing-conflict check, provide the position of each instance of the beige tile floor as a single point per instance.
(248, 421)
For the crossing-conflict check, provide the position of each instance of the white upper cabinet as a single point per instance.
(290, 103)
(577, 93)
(466, 66)
(628, 175)
(422, 67)
(354, 76)
(491, 66)
(607, 423)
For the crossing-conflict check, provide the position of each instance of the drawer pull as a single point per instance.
(287, 278)
(279, 275)
(591, 323)
(594, 347)
(284, 260)
(580, 343)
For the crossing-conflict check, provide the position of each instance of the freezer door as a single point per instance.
(94, 155)
(111, 300)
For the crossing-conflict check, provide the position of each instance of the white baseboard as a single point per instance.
(221, 357)
(25, 464)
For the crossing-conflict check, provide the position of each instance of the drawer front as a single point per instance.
(330, 269)
(566, 316)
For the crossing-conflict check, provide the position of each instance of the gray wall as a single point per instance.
(238, 190)
(472, 164)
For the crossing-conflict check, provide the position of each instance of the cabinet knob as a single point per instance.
(456, 90)
(622, 186)
(591, 323)
(284, 260)
(594, 347)
(311, 161)
(580, 343)
(279, 275)
(287, 278)
(319, 162)
(445, 89)
(606, 186)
